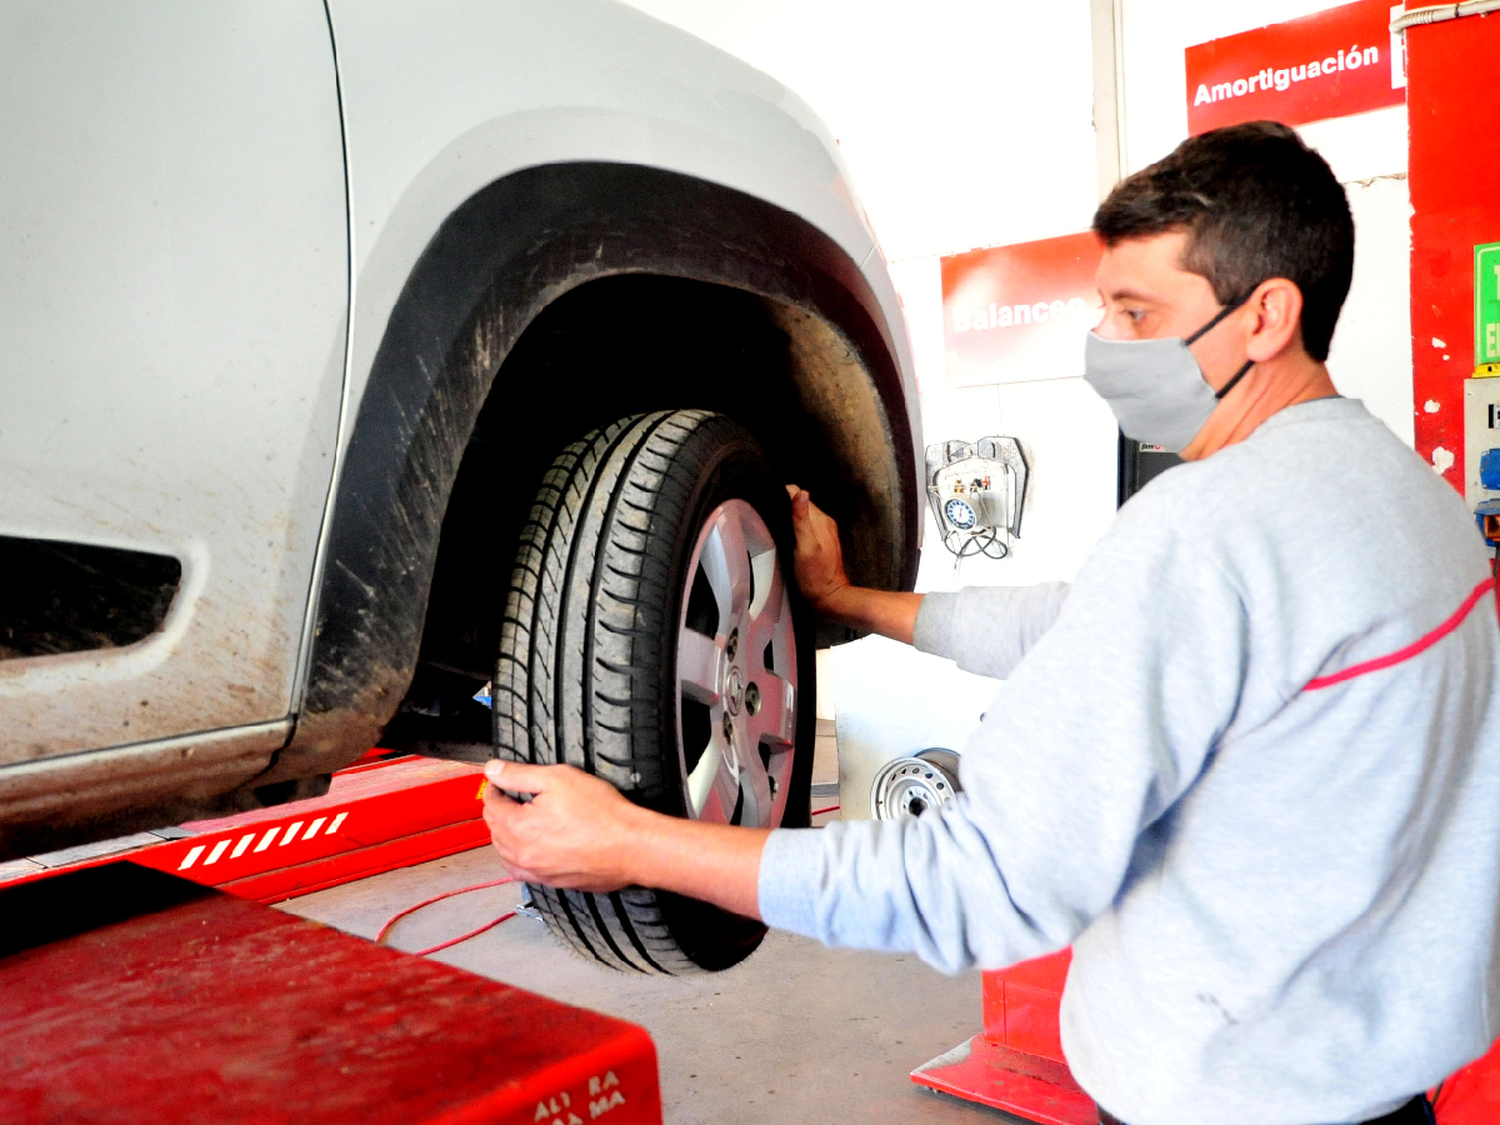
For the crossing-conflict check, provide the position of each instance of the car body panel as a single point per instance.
(194, 182)
(489, 88)
(173, 289)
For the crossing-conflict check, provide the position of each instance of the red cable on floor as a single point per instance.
(820, 812)
(385, 929)
(472, 933)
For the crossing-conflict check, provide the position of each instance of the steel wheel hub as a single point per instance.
(915, 785)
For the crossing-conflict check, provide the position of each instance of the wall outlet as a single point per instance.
(1481, 432)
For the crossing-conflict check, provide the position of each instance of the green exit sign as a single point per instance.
(1487, 304)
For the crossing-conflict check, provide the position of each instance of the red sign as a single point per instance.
(1330, 64)
(1016, 313)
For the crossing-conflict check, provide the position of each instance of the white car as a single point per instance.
(358, 356)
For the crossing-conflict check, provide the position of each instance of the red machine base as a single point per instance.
(1017, 1064)
(129, 997)
(1029, 1086)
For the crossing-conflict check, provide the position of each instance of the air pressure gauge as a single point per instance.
(960, 514)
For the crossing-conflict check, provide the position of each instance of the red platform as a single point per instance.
(375, 817)
(1016, 1063)
(130, 997)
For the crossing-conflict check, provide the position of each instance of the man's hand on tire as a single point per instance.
(575, 832)
(825, 584)
(819, 557)
(578, 832)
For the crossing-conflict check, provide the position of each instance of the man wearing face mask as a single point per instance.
(1248, 763)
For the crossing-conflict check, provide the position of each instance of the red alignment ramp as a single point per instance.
(129, 997)
(375, 817)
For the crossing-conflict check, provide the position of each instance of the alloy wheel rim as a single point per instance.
(736, 673)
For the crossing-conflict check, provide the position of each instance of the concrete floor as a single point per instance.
(797, 1033)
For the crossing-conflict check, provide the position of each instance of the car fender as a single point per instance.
(485, 89)
(432, 188)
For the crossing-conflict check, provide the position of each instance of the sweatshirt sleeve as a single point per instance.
(987, 629)
(1092, 738)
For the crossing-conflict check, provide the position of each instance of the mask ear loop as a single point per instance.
(1238, 375)
(1222, 313)
(1249, 363)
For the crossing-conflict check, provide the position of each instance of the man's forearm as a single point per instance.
(886, 612)
(716, 863)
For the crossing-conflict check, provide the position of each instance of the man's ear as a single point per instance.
(1277, 305)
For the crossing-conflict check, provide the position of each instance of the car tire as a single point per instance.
(652, 637)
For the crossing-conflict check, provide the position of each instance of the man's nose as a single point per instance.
(1109, 328)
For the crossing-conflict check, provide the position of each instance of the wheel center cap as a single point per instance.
(734, 691)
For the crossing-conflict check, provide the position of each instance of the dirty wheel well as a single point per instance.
(609, 347)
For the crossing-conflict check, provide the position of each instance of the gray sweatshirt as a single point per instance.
(1282, 901)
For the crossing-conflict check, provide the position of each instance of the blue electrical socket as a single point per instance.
(1489, 469)
(1487, 515)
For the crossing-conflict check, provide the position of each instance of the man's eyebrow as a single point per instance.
(1130, 295)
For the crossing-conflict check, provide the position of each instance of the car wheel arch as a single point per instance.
(526, 244)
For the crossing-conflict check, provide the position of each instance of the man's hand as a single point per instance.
(819, 561)
(575, 832)
(578, 832)
(819, 556)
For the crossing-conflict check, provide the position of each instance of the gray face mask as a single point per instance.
(1155, 387)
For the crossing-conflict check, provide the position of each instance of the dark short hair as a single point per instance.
(1256, 203)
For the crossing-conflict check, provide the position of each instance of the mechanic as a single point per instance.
(1248, 763)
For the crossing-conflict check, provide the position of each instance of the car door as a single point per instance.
(173, 293)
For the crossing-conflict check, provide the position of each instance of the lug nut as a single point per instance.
(728, 728)
(732, 647)
(752, 699)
